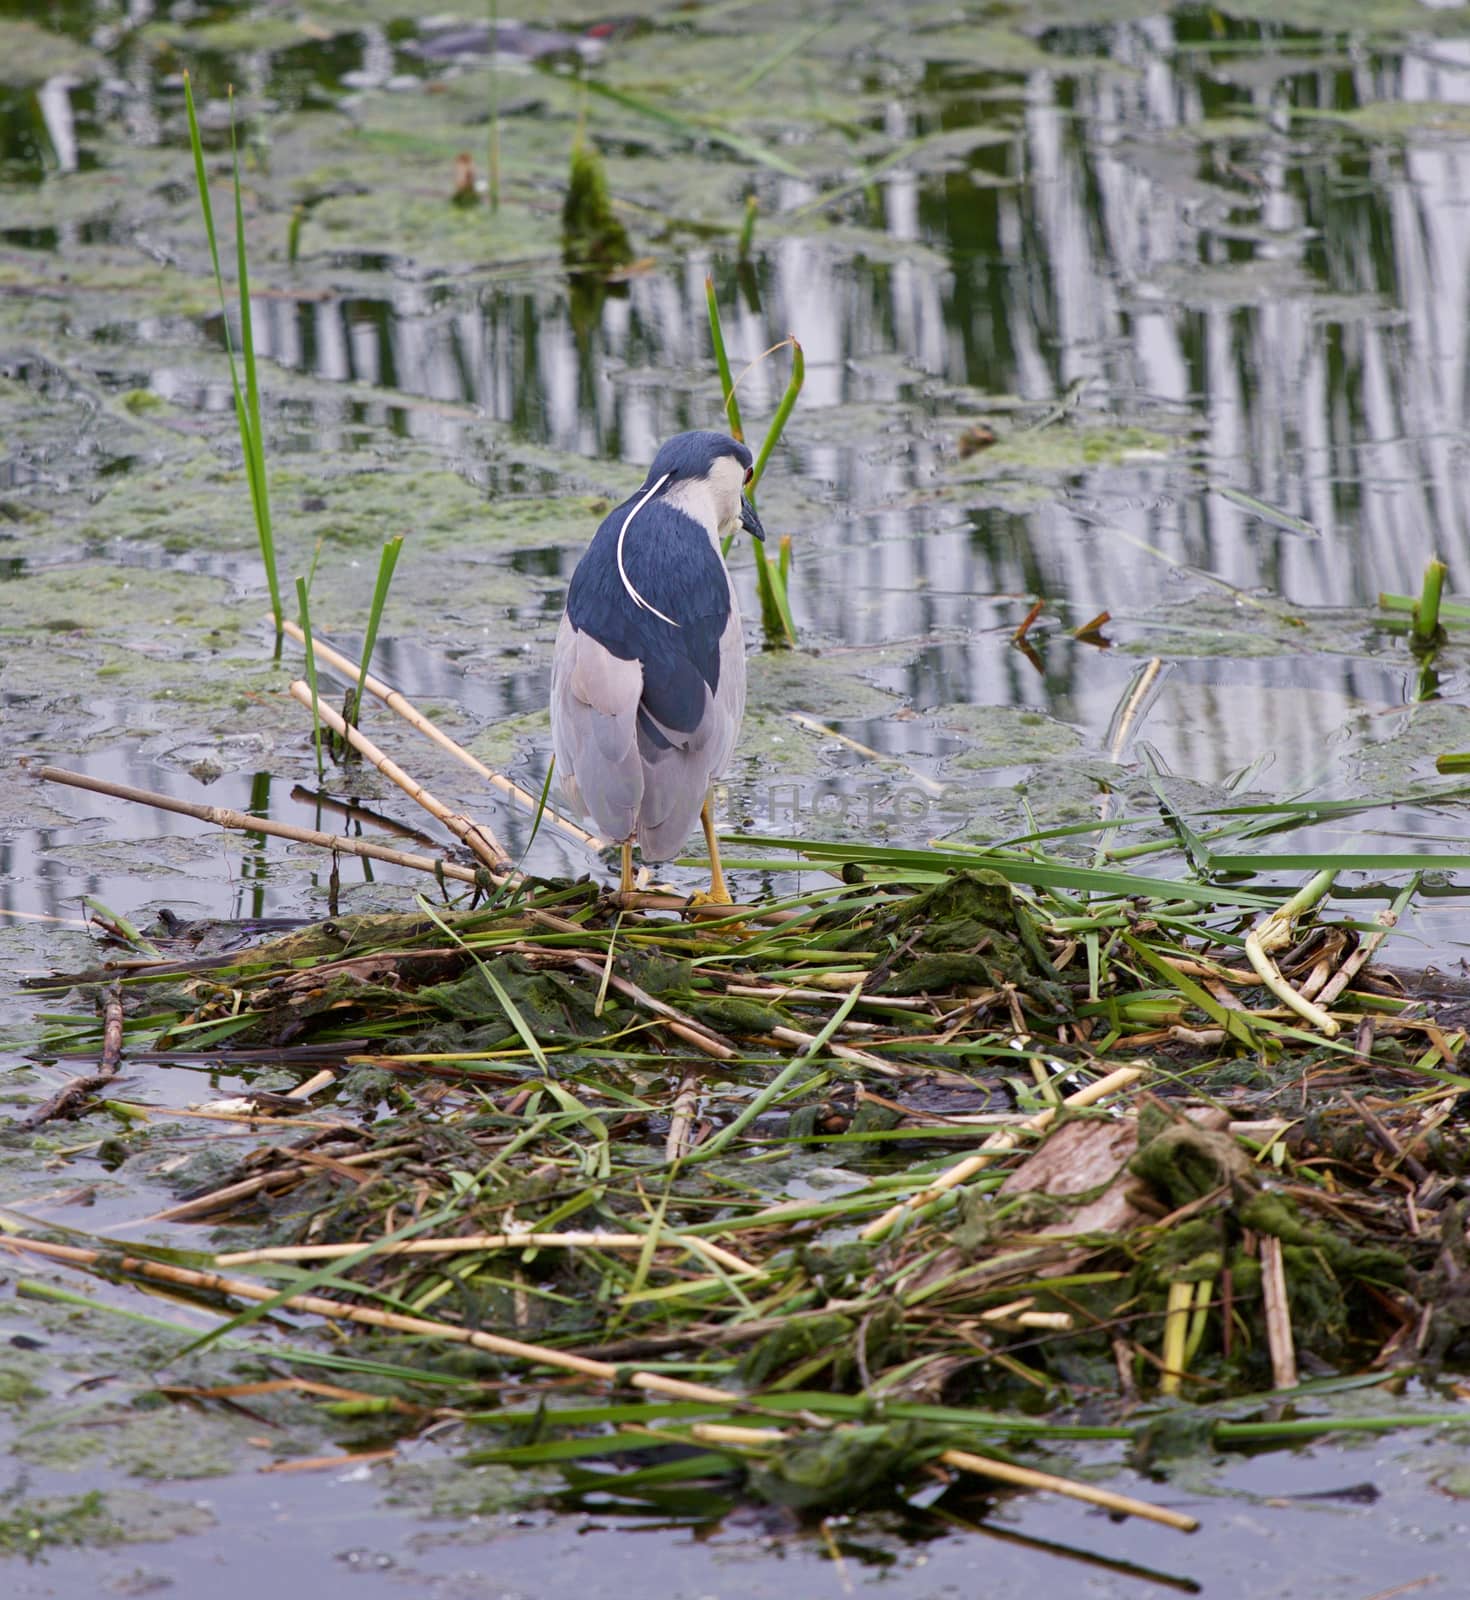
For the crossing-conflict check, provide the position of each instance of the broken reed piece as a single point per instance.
(678, 1023)
(76, 1090)
(115, 1259)
(997, 1145)
(680, 1138)
(396, 703)
(243, 822)
(494, 1241)
(1279, 1338)
(1275, 931)
(475, 836)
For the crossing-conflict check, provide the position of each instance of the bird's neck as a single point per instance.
(696, 501)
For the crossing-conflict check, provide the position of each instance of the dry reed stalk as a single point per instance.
(680, 1139)
(997, 1145)
(1028, 1478)
(859, 1058)
(492, 1241)
(321, 1080)
(77, 1089)
(771, 991)
(1279, 1338)
(826, 996)
(247, 1120)
(201, 1204)
(930, 786)
(243, 822)
(328, 1463)
(320, 1306)
(699, 910)
(474, 835)
(690, 1031)
(1387, 921)
(416, 719)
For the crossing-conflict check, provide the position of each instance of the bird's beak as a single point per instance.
(749, 521)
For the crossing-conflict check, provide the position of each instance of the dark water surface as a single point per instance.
(1202, 271)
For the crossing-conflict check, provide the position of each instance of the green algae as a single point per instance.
(33, 54)
(1001, 736)
(511, 738)
(1065, 447)
(98, 1520)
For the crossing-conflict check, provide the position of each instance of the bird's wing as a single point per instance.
(594, 730)
(678, 768)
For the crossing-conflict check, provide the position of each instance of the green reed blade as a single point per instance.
(386, 564)
(747, 228)
(247, 404)
(310, 646)
(722, 364)
(783, 411)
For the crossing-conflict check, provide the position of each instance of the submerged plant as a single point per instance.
(593, 238)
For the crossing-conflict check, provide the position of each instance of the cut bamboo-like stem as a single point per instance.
(474, 835)
(997, 1145)
(492, 1241)
(1176, 1331)
(1387, 920)
(845, 1052)
(320, 1306)
(1279, 1338)
(243, 822)
(416, 719)
(680, 1138)
(1028, 1478)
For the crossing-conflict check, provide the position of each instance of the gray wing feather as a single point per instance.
(677, 780)
(654, 787)
(594, 731)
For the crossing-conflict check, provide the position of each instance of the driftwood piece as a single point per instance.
(68, 1099)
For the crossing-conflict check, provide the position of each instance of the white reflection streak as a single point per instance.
(54, 100)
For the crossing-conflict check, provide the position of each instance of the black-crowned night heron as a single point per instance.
(648, 673)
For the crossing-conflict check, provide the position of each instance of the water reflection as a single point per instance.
(1293, 304)
(1190, 225)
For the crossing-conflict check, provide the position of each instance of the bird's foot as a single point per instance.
(712, 903)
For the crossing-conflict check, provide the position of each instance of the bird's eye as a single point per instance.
(749, 473)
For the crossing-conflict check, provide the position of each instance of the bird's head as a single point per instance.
(705, 474)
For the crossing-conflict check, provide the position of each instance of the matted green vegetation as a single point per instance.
(884, 1179)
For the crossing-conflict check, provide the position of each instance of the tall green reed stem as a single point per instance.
(1425, 626)
(770, 576)
(391, 551)
(304, 607)
(247, 405)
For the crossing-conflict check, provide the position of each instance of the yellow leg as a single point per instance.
(625, 886)
(719, 893)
